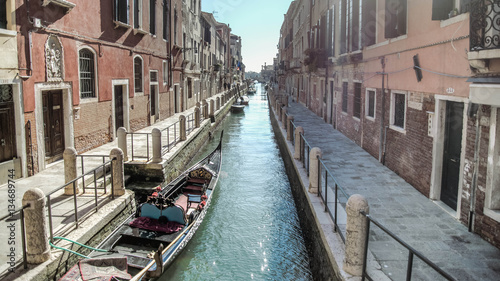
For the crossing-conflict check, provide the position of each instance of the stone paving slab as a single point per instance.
(402, 209)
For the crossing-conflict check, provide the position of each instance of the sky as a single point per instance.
(258, 22)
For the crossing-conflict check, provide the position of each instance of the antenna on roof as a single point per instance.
(215, 13)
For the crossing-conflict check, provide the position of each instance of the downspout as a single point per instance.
(30, 43)
(382, 116)
(476, 167)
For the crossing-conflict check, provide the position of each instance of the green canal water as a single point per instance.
(251, 231)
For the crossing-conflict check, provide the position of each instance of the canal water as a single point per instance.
(251, 231)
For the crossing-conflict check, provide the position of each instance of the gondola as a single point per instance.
(148, 241)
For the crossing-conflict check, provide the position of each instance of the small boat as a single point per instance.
(244, 100)
(148, 241)
(251, 91)
(237, 107)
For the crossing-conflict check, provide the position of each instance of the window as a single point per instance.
(3, 14)
(370, 103)
(138, 75)
(331, 32)
(166, 20)
(137, 14)
(398, 110)
(152, 17)
(492, 200)
(395, 18)
(87, 74)
(121, 11)
(368, 23)
(344, 96)
(357, 100)
(445, 9)
(165, 72)
(175, 25)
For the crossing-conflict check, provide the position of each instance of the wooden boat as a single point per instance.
(244, 100)
(152, 238)
(251, 91)
(237, 107)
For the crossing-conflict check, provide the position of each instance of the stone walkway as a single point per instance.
(402, 209)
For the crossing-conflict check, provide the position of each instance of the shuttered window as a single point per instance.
(357, 100)
(138, 75)
(344, 96)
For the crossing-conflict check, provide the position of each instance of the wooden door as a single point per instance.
(451, 153)
(119, 107)
(7, 127)
(53, 124)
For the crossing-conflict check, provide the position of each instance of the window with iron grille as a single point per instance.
(344, 96)
(87, 74)
(357, 100)
(399, 110)
(3, 14)
(370, 103)
(137, 74)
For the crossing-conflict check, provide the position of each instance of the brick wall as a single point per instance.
(94, 126)
(486, 227)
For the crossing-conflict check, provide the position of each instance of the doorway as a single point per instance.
(53, 124)
(118, 104)
(451, 153)
(7, 129)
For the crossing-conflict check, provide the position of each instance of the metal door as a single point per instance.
(53, 124)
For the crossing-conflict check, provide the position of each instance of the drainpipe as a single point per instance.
(30, 69)
(476, 165)
(382, 116)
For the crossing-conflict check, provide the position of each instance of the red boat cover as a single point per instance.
(155, 225)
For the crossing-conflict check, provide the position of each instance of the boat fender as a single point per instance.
(201, 205)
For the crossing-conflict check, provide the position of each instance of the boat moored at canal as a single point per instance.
(148, 241)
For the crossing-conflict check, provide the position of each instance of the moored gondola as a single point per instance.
(148, 241)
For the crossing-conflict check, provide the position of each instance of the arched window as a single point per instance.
(138, 81)
(87, 74)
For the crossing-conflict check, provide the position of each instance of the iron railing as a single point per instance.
(73, 183)
(140, 155)
(9, 217)
(411, 252)
(97, 175)
(171, 131)
(484, 25)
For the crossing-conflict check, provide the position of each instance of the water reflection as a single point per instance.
(251, 231)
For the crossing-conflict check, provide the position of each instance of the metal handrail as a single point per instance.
(82, 164)
(147, 157)
(166, 148)
(23, 232)
(74, 183)
(411, 251)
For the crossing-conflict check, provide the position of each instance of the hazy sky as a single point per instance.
(258, 22)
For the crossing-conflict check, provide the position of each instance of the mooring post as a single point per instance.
(298, 132)
(182, 125)
(121, 133)
(289, 127)
(283, 117)
(197, 117)
(356, 231)
(37, 241)
(156, 135)
(212, 107)
(314, 154)
(205, 109)
(118, 171)
(217, 103)
(69, 157)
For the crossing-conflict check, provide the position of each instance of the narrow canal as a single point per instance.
(251, 231)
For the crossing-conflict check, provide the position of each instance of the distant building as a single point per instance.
(413, 83)
(72, 73)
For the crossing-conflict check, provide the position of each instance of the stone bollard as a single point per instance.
(289, 127)
(156, 135)
(69, 157)
(197, 117)
(298, 139)
(313, 170)
(217, 103)
(279, 112)
(283, 117)
(37, 242)
(276, 105)
(118, 172)
(182, 127)
(356, 232)
(122, 141)
(212, 107)
(205, 109)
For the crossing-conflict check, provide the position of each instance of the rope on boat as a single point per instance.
(77, 243)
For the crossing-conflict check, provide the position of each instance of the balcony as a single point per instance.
(484, 55)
